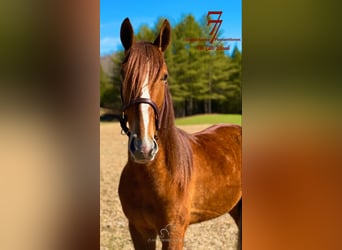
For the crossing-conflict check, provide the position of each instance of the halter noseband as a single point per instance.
(124, 119)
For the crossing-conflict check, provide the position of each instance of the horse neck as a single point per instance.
(168, 131)
(175, 146)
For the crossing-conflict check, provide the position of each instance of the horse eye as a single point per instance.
(164, 78)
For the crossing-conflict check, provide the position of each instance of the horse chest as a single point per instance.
(141, 198)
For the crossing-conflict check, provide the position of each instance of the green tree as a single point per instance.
(199, 80)
(110, 92)
(105, 88)
(188, 77)
(234, 93)
(223, 77)
(116, 80)
(103, 81)
(145, 34)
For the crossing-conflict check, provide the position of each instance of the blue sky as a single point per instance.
(113, 12)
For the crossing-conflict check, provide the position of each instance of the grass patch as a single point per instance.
(209, 119)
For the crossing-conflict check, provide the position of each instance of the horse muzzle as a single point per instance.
(142, 151)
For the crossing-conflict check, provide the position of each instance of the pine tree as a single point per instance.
(200, 80)
(234, 95)
(145, 34)
(188, 76)
(104, 86)
(116, 80)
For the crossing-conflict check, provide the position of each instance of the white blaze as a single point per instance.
(144, 107)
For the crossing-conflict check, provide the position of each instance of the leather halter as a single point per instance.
(124, 119)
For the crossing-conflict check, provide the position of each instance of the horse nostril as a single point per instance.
(133, 144)
(139, 146)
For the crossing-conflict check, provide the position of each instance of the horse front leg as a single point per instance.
(172, 237)
(143, 239)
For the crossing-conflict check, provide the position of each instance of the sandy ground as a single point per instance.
(219, 233)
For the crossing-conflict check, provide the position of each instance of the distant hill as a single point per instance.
(107, 64)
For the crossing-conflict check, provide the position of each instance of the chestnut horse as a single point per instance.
(172, 178)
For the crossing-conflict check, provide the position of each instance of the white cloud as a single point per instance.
(109, 45)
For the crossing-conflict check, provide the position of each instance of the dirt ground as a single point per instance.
(219, 233)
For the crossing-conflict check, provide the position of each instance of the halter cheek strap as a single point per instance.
(123, 124)
(124, 119)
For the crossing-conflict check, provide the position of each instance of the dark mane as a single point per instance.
(141, 58)
(176, 144)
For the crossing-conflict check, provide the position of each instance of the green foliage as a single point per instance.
(116, 79)
(110, 91)
(105, 88)
(200, 81)
(145, 34)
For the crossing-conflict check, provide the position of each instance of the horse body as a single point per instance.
(217, 172)
(149, 197)
(171, 178)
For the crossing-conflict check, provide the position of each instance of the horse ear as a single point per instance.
(164, 37)
(126, 34)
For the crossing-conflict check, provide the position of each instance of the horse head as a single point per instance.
(144, 76)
